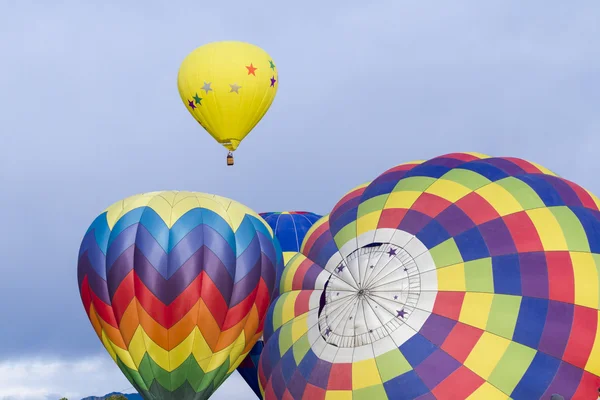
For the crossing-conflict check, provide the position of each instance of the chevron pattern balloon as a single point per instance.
(461, 277)
(176, 286)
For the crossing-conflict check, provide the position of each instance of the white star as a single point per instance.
(235, 88)
(207, 87)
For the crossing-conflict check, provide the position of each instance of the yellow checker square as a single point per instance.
(449, 190)
(488, 392)
(500, 199)
(403, 199)
(486, 354)
(585, 272)
(338, 395)
(548, 228)
(451, 278)
(365, 374)
(476, 309)
(367, 222)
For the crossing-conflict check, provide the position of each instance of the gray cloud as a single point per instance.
(91, 114)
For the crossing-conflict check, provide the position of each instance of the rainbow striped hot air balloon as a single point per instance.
(176, 285)
(290, 228)
(461, 277)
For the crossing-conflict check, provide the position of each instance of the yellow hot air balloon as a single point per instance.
(228, 87)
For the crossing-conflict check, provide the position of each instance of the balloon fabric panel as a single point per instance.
(176, 286)
(463, 276)
(289, 228)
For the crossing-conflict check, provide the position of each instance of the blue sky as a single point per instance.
(91, 114)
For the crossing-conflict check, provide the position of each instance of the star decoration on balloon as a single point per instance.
(401, 313)
(271, 65)
(197, 99)
(341, 268)
(206, 87)
(251, 69)
(191, 104)
(392, 252)
(273, 80)
(235, 88)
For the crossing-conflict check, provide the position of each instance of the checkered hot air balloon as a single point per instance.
(176, 285)
(290, 228)
(461, 277)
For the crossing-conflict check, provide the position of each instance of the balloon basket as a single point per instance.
(229, 159)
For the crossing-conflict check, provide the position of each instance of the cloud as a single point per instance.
(51, 379)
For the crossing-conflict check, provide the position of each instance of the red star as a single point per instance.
(251, 69)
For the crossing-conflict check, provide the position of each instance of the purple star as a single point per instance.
(273, 80)
(405, 269)
(401, 313)
(392, 252)
(327, 331)
(341, 268)
(191, 103)
(396, 297)
(372, 266)
(338, 293)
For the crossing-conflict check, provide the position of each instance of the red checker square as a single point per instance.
(312, 392)
(301, 306)
(583, 334)
(459, 385)
(449, 304)
(461, 340)
(477, 208)
(300, 273)
(560, 276)
(584, 196)
(524, 165)
(523, 232)
(340, 377)
(461, 156)
(430, 204)
(391, 217)
(588, 387)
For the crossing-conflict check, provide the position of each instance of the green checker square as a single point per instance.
(467, 178)
(369, 393)
(503, 315)
(572, 229)
(392, 364)
(522, 192)
(345, 234)
(446, 253)
(285, 338)
(373, 204)
(413, 184)
(511, 367)
(300, 348)
(479, 276)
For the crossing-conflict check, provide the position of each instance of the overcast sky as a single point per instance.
(90, 114)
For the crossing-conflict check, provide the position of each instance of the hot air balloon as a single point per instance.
(228, 87)
(289, 228)
(176, 286)
(461, 277)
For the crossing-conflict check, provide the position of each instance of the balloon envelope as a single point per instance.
(290, 228)
(464, 276)
(176, 286)
(228, 87)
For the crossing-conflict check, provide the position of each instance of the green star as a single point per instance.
(197, 99)
(272, 65)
